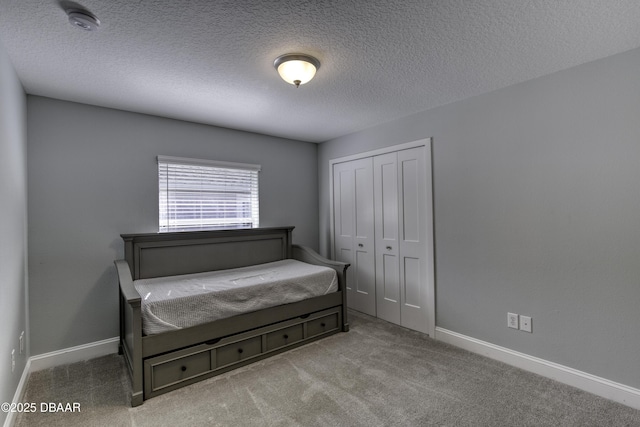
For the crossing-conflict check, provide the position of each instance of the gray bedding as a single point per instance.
(176, 302)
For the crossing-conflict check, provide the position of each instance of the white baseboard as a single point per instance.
(74, 354)
(590, 383)
(57, 358)
(19, 394)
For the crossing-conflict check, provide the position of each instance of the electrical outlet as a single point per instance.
(512, 320)
(22, 342)
(525, 324)
(13, 360)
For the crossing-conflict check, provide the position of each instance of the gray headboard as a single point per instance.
(169, 254)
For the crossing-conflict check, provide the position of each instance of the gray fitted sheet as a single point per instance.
(176, 302)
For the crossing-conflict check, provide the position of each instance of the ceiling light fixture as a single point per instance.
(296, 68)
(83, 19)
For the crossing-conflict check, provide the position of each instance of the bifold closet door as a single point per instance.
(353, 230)
(401, 223)
(414, 224)
(386, 204)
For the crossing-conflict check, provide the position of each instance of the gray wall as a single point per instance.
(93, 175)
(537, 212)
(13, 226)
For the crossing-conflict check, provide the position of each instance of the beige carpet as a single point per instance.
(377, 374)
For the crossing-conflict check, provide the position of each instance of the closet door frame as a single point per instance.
(430, 255)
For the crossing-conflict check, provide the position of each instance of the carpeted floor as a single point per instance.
(377, 374)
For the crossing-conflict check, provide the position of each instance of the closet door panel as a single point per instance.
(390, 283)
(353, 230)
(409, 174)
(365, 282)
(412, 242)
(364, 202)
(385, 177)
(365, 296)
(412, 283)
(389, 200)
(345, 205)
(343, 214)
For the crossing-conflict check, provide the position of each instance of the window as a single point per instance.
(202, 194)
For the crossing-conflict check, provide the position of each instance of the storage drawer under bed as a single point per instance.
(285, 337)
(176, 367)
(181, 369)
(173, 370)
(323, 324)
(236, 352)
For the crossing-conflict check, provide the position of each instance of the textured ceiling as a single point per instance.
(211, 61)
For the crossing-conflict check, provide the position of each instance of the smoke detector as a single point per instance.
(83, 19)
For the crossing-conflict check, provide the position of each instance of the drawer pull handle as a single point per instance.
(285, 336)
(389, 248)
(323, 324)
(240, 350)
(360, 245)
(184, 368)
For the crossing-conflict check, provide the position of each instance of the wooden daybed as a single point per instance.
(166, 361)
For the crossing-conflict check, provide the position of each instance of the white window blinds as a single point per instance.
(201, 194)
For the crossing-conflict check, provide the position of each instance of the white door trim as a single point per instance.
(385, 150)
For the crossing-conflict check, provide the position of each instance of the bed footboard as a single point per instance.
(308, 255)
(130, 330)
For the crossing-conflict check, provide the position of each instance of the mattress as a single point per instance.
(176, 302)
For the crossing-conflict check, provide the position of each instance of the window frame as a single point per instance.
(218, 173)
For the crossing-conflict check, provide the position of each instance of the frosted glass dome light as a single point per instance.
(296, 69)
